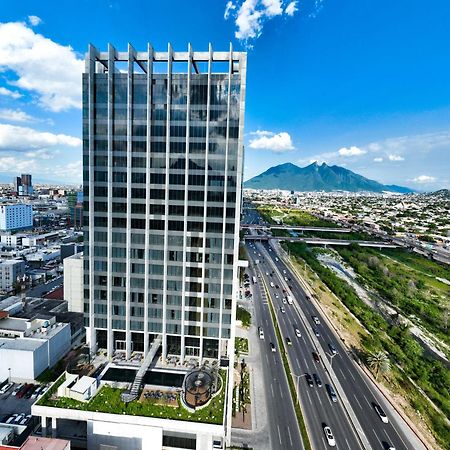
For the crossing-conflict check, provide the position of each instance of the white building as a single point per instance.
(10, 271)
(73, 282)
(31, 346)
(15, 216)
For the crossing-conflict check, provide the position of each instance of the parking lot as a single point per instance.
(13, 404)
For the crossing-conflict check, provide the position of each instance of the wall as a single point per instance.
(20, 362)
(73, 283)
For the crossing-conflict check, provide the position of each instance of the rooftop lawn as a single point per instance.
(108, 400)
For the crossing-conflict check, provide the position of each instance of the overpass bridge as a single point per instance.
(324, 242)
(286, 227)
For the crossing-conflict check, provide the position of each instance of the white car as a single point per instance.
(273, 348)
(6, 388)
(381, 414)
(284, 271)
(316, 320)
(261, 333)
(297, 333)
(329, 435)
(276, 259)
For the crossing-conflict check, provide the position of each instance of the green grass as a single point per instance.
(407, 285)
(294, 217)
(108, 400)
(241, 345)
(244, 316)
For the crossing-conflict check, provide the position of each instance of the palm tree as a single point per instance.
(379, 363)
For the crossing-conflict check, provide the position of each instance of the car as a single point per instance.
(30, 391)
(288, 341)
(277, 286)
(284, 271)
(332, 349)
(276, 259)
(37, 392)
(282, 309)
(316, 320)
(331, 392)
(261, 333)
(309, 380)
(316, 332)
(315, 357)
(277, 296)
(329, 436)
(6, 388)
(317, 380)
(380, 413)
(285, 279)
(267, 274)
(17, 389)
(284, 300)
(272, 347)
(297, 333)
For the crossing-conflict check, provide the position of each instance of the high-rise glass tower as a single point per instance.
(162, 161)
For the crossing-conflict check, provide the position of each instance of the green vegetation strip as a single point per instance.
(293, 217)
(241, 346)
(429, 374)
(287, 370)
(108, 400)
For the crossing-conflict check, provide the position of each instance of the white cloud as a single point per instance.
(291, 8)
(34, 20)
(13, 164)
(44, 67)
(22, 139)
(423, 179)
(15, 115)
(273, 7)
(378, 160)
(228, 8)
(261, 133)
(252, 14)
(395, 158)
(9, 93)
(351, 151)
(267, 140)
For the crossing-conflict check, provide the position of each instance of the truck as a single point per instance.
(254, 280)
(289, 299)
(272, 284)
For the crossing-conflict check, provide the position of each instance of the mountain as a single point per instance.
(317, 177)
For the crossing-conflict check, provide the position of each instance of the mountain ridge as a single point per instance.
(315, 177)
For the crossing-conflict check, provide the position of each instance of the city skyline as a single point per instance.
(380, 114)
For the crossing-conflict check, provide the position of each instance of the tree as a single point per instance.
(379, 363)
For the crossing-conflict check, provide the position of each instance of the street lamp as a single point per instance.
(9, 378)
(331, 357)
(298, 382)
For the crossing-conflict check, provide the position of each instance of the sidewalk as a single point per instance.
(258, 437)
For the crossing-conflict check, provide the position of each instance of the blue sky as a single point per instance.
(358, 83)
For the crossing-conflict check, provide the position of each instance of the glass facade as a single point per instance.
(162, 173)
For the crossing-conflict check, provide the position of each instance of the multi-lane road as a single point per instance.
(352, 419)
(282, 421)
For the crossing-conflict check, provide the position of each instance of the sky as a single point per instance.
(362, 84)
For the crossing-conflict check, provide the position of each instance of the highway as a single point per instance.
(282, 421)
(317, 407)
(360, 393)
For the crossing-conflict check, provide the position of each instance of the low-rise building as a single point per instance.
(28, 347)
(15, 216)
(10, 271)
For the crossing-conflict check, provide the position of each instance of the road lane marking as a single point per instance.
(309, 398)
(298, 363)
(378, 439)
(350, 372)
(357, 401)
(318, 396)
(279, 434)
(271, 388)
(340, 370)
(290, 437)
